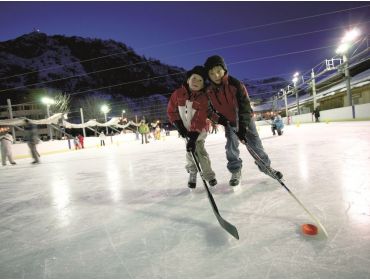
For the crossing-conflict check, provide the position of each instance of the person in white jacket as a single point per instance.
(102, 138)
(6, 148)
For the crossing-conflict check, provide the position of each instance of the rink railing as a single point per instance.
(338, 114)
(21, 150)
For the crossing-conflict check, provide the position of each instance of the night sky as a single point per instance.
(149, 27)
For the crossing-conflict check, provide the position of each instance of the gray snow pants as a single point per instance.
(203, 159)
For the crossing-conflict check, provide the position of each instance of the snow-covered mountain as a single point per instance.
(36, 63)
(45, 58)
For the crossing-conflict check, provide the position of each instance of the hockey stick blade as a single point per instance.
(231, 229)
(224, 224)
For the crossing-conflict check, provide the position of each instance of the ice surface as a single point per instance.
(125, 211)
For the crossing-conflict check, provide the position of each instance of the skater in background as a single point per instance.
(187, 111)
(230, 100)
(81, 140)
(157, 133)
(32, 140)
(316, 112)
(144, 131)
(102, 138)
(77, 143)
(6, 148)
(277, 125)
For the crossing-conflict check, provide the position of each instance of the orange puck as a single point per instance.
(309, 229)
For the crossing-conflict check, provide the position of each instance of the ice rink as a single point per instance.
(126, 212)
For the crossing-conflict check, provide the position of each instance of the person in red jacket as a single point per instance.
(230, 101)
(187, 110)
(81, 140)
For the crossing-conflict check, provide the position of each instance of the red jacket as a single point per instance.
(81, 139)
(231, 100)
(190, 107)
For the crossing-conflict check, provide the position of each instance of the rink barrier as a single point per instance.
(21, 150)
(332, 115)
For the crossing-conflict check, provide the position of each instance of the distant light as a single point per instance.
(105, 109)
(295, 80)
(343, 48)
(47, 100)
(65, 116)
(296, 74)
(351, 35)
(123, 111)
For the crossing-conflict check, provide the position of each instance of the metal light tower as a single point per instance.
(82, 121)
(295, 80)
(286, 103)
(48, 101)
(346, 44)
(313, 84)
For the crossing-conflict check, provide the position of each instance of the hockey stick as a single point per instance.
(269, 171)
(224, 224)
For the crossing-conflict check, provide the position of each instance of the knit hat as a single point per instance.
(213, 61)
(199, 70)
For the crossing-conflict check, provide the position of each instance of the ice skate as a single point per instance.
(192, 183)
(235, 178)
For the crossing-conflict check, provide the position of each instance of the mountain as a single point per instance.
(45, 58)
(35, 63)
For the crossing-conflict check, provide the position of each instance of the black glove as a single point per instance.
(222, 120)
(244, 132)
(181, 128)
(193, 136)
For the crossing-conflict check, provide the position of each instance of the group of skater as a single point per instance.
(210, 92)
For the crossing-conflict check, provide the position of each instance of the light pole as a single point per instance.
(295, 80)
(286, 104)
(82, 121)
(123, 111)
(105, 109)
(346, 44)
(48, 101)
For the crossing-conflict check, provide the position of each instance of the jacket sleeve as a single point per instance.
(211, 113)
(244, 105)
(172, 108)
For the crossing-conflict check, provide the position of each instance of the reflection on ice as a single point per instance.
(61, 199)
(114, 181)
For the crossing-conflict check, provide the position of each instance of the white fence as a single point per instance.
(21, 150)
(339, 114)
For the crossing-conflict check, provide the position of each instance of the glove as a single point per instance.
(222, 120)
(181, 128)
(193, 136)
(242, 133)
